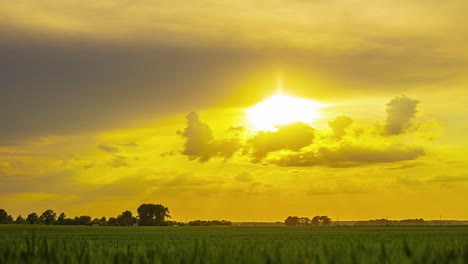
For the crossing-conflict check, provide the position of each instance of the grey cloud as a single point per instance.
(46, 81)
(400, 111)
(348, 156)
(119, 161)
(339, 126)
(292, 137)
(108, 148)
(449, 178)
(200, 143)
(60, 86)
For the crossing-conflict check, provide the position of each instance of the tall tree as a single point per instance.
(61, 218)
(153, 214)
(292, 221)
(321, 220)
(20, 220)
(48, 217)
(316, 220)
(3, 216)
(32, 218)
(9, 219)
(325, 220)
(125, 219)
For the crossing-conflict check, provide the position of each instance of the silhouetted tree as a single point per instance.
(20, 220)
(82, 220)
(321, 220)
(33, 218)
(304, 221)
(125, 219)
(316, 220)
(61, 219)
(112, 221)
(209, 223)
(153, 214)
(48, 217)
(292, 221)
(325, 220)
(69, 221)
(3, 216)
(96, 221)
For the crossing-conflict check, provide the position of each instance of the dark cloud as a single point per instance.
(119, 161)
(348, 156)
(339, 126)
(408, 166)
(291, 137)
(449, 178)
(200, 143)
(108, 148)
(55, 86)
(400, 111)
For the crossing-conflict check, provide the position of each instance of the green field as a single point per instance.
(85, 244)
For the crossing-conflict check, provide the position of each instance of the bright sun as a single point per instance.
(280, 110)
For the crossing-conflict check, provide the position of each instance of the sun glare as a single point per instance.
(280, 110)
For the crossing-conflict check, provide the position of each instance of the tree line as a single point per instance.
(305, 221)
(148, 215)
(386, 222)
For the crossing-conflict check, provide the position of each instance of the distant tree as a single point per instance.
(103, 221)
(96, 221)
(10, 219)
(321, 220)
(48, 217)
(3, 216)
(82, 220)
(209, 223)
(325, 220)
(61, 219)
(125, 219)
(316, 220)
(304, 221)
(69, 221)
(112, 221)
(33, 218)
(20, 220)
(292, 221)
(153, 214)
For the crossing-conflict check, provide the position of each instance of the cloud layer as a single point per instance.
(200, 143)
(300, 145)
(400, 111)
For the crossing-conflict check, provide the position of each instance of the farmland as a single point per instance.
(87, 244)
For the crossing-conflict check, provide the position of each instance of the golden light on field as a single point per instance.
(282, 109)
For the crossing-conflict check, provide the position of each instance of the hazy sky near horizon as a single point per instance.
(107, 104)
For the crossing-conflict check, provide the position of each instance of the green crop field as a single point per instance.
(86, 244)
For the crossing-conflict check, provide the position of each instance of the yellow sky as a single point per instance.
(98, 100)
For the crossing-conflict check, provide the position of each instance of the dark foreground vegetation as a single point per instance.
(148, 215)
(195, 245)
